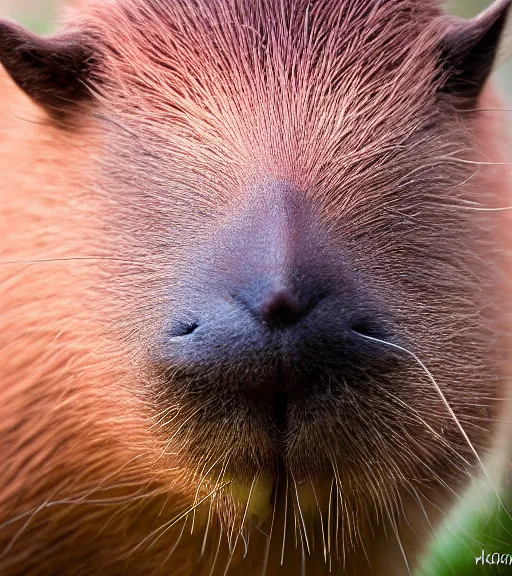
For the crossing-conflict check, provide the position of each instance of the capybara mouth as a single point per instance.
(280, 401)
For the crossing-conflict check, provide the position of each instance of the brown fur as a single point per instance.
(102, 212)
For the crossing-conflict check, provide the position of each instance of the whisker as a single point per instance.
(321, 519)
(269, 540)
(417, 496)
(71, 259)
(168, 525)
(471, 110)
(459, 527)
(208, 521)
(203, 478)
(246, 545)
(214, 562)
(396, 530)
(16, 536)
(242, 523)
(50, 502)
(175, 546)
(483, 209)
(178, 430)
(329, 524)
(285, 519)
(423, 421)
(295, 525)
(446, 404)
(303, 554)
(301, 516)
(338, 501)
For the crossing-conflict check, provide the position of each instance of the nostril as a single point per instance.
(190, 328)
(280, 309)
(185, 329)
(367, 328)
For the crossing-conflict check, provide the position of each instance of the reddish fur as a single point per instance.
(75, 420)
(59, 405)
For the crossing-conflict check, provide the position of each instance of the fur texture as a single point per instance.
(195, 105)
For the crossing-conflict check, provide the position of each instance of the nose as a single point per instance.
(276, 300)
(270, 304)
(281, 308)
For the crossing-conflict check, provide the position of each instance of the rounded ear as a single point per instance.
(53, 71)
(469, 49)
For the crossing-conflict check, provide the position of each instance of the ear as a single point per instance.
(469, 49)
(54, 71)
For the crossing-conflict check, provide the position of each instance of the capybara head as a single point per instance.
(283, 207)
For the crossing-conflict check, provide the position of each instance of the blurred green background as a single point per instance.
(480, 523)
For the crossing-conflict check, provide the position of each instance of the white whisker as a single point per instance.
(446, 404)
(285, 519)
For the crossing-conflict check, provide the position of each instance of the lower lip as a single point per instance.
(257, 499)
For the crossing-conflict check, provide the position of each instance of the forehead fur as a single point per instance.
(286, 86)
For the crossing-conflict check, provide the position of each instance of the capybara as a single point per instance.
(255, 285)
